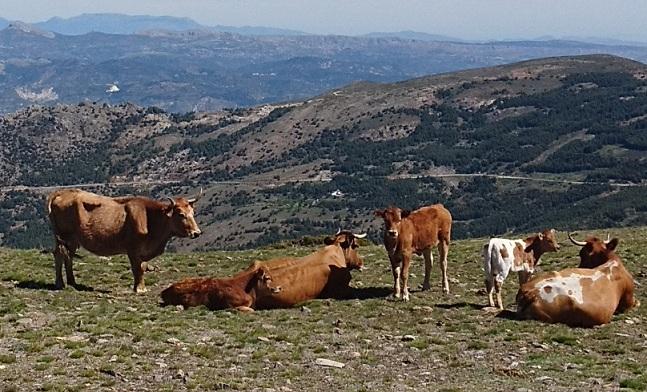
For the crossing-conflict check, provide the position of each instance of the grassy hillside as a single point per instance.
(106, 338)
(566, 136)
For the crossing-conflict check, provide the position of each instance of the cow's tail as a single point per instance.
(50, 200)
(487, 256)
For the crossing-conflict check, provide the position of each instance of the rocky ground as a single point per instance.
(103, 337)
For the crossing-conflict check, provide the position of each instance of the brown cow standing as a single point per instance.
(137, 226)
(237, 292)
(324, 273)
(416, 232)
(581, 297)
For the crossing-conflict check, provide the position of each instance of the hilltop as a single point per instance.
(271, 172)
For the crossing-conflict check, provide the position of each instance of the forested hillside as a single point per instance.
(304, 168)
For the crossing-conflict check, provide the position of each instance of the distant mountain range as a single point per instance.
(202, 70)
(131, 24)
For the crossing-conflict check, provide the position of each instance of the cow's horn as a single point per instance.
(608, 239)
(363, 235)
(576, 242)
(171, 200)
(196, 197)
(338, 231)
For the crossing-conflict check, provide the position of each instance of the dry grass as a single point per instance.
(106, 338)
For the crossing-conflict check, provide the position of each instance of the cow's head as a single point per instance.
(347, 241)
(595, 251)
(392, 219)
(546, 241)
(262, 282)
(180, 212)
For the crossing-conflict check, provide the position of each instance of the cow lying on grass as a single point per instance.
(580, 297)
(500, 256)
(406, 233)
(322, 274)
(239, 292)
(137, 226)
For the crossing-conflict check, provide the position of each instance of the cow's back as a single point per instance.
(298, 283)
(575, 296)
(96, 222)
(428, 225)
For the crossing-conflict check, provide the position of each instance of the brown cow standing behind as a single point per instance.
(237, 292)
(581, 297)
(137, 226)
(324, 273)
(416, 232)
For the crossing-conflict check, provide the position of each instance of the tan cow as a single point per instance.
(580, 297)
(322, 274)
(238, 292)
(137, 226)
(500, 256)
(406, 233)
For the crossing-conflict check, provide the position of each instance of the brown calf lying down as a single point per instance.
(239, 292)
(322, 274)
(581, 297)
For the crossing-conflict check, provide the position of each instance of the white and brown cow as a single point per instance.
(581, 297)
(500, 256)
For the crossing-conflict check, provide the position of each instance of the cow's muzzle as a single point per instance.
(276, 289)
(392, 233)
(195, 234)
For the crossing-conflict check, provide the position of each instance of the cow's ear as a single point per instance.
(261, 273)
(329, 240)
(405, 213)
(168, 210)
(540, 236)
(613, 244)
(379, 213)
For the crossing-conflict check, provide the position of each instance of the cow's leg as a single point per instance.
(69, 271)
(429, 264)
(395, 268)
(61, 255)
(406, 260)
(497, 288)
(443, 250)
(489, 287)
(137, 267)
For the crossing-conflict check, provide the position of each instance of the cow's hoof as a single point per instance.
(426, 287)
(141, 290)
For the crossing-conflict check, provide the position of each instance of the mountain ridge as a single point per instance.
(282, 171)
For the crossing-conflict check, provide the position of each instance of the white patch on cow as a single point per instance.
(570, 286)
(498, 266)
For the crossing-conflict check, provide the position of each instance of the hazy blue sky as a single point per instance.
(471, 19)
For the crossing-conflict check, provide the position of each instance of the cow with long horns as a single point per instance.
(581, 297)
(136, 226)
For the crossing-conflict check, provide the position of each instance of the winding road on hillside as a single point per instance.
(263, 183)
